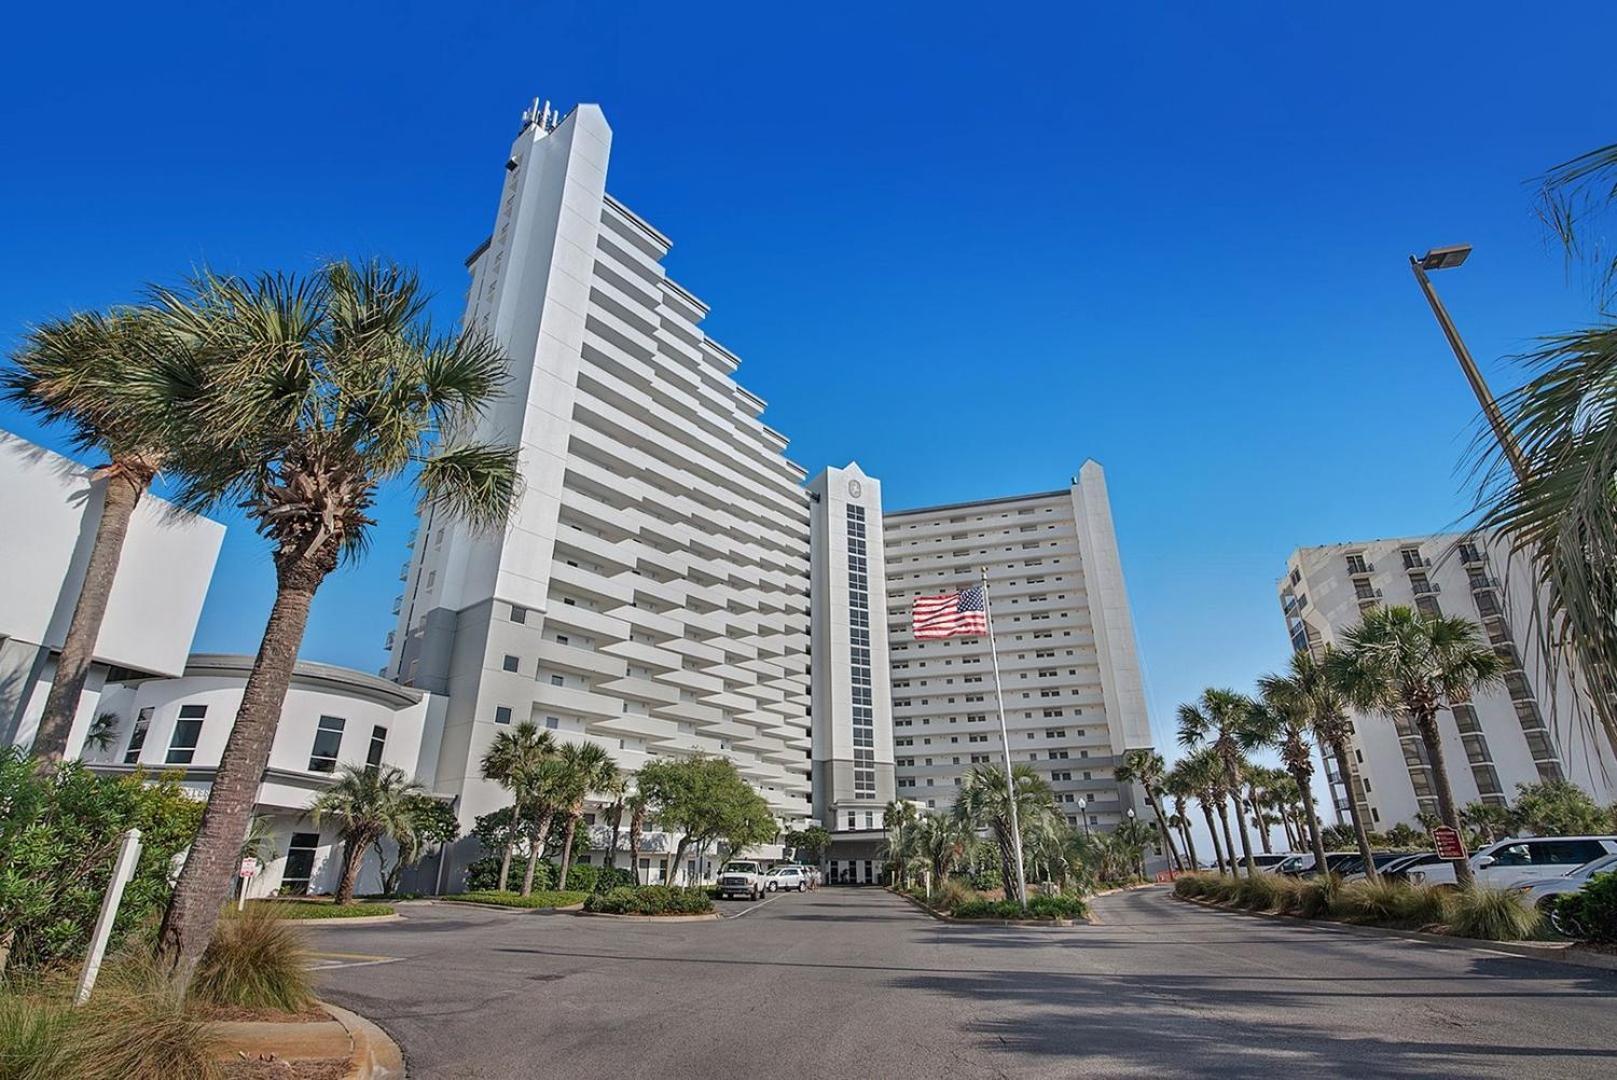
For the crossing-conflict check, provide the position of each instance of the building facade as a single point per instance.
(1530, 729)
(1074, 699)
(51, 506)
(651, 593)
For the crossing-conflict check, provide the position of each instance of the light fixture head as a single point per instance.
(1445, 258)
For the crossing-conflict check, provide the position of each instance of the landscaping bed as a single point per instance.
(320, 909)
(548, 898)
(650, 900)
(955, 901)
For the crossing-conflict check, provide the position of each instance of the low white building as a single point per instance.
(332, 717)
(1529, 729)
(50, 506)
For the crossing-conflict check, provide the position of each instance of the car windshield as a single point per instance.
(739, 868)
(1598, 866)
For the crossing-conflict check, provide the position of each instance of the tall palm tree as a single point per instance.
(898, 817)
(941, 842)
(1326, 708)
(617, 791)
(547, 790)
(1280, 721)
(89, 372)
(367, 804)
(1205, 773)
(638, 806)
(1146, 768)
(513, 757)
(985, 803)
(1180, 786)
(1401, 662)
(1218, 720)
(586, 768)
(317, 393)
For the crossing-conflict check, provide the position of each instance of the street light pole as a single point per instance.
(1083, 805)
(1446, 258)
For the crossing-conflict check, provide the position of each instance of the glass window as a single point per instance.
(300, 863)
(502, 714)
(1513, 855)
(187, 730)
(373, 757)
(137, 738)
(509, 663)
(519, 614)
(327, 744)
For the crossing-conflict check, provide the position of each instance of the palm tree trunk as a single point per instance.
(1229, 841)
(123, 490)
(1167, 837)
(1305, 785)
(535, 849)
(1263, 826)
(679, 857)
(567, 851)
(1240, 821)
(612, 848)
(505, 859)
(1212, 830)
(1429, 734)
(353, 857)
(636, 820)
(210, 868)
(1190, 845)
(1350, 772)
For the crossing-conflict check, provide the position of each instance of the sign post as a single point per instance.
(122, 870)
(1449, 844)
(249, 870)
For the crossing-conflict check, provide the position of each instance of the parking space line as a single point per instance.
(755, 907)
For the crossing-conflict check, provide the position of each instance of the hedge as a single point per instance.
(1038, 907)
(540, 898)
(650, 900)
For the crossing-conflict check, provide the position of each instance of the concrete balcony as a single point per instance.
(579, 702)
(554, 656)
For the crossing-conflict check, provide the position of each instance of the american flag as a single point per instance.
(951, 615)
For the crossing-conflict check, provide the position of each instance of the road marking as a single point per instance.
(331, 961)
(754, 907)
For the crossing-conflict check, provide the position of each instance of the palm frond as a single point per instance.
(475, 482)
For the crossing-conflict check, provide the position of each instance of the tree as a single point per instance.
(1146, 768)
(811, 843)
(1401, 663)
(939, 841)
(511, 760)
(1326, 708)
(1179, 786)
(1280, 720)
(898, 817)
(1218, 720)
(1556, 808)
(638, 806)
(317, 392)
(617, 791)
(985, 803)
(1487, 822)
(88, 373)
(705, 800)
(1204, 773)
(586, 768)
(546, 790)
(367, 805)
(433, 823)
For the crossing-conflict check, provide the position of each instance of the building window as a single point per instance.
(187, 730)
(519, 614)
(502, 714)
(137, 738)
(300, 863)
(373, 757)
(510, 663)
(327, 744)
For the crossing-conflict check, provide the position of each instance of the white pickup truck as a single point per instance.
(741, 878)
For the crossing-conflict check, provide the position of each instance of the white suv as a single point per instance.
(786, 877)
(741, 879)
(1511, 862)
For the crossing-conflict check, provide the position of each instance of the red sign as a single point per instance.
(1449, 844)
(249, 867)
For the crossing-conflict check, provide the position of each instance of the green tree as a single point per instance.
(984, 803)
(1179, 785)
(433, 823)
(940, 842)
(366, 805)
(1203, 772)
(706, 801)
(87, 373)
(586, 768)
(639, 806)
(1487, 822)
(1219, 721)
(314, 394)
(1146, 768)
(1402, 663)
(1327, 710)
(617, 791)
(1281, 720)
(898, 818)
(811, 843)
(1556, 808)
(512, 761)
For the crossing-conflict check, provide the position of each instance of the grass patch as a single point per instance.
(545, 898)
(256, 961)
(1492, 915)
(318, 909)
(650, 900)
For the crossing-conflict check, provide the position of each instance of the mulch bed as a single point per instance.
(276, 1069)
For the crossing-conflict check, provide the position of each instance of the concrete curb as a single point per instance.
(375, 1055)
(358, 920)
(709, 917)
(510, 910)
(1569, 954)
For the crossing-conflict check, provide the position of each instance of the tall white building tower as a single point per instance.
(650, 593)
(1074, 700)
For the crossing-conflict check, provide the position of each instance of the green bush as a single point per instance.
(1316, 897)
(319, 909)
(1491, 915)
(59, 837)
(1193, 886)
(1389, 903)
(539, 898)
(1257, 892)
(950, 894)
(611, 877)
(1592, 909)
(255, 961)
(579, 878)
(650, 900)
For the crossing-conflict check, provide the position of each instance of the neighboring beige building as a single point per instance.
(1074, 700)
(1526, 731)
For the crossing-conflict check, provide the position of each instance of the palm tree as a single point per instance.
(1146, 768)
(638, 805)
(317, 393)
(985, 803)
(1205, 773)
(1402, 663)
(1327, 711)
(897, 818)
(547, 790)
(1178, 783)
(940, 841)
(617, 791)
(367, 805)
(1218, 720)
(1280, 721)
(586, 768)
(512, 757)
(88, 372)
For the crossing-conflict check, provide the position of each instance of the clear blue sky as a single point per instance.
(1171, 238)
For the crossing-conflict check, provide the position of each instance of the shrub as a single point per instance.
(255, 961)
(579, 878)
(1491, 915)
(1592, 910)
(1257, 892)
(650, 900)
(1317, 896)
(984, 878)
(610, 877)
(1193, 886)
(1057, 907)
(1389, 903)
(319, 909)
(950, 895)
(546, 898)
(34, 1038)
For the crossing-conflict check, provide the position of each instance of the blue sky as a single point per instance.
(1168, 237)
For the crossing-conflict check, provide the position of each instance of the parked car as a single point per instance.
(1267, 861)
(1336, 862)
(1383, 861)
(1516, 861)
(1541, 891)
(1398, 869)
(739, 878)
(786, 877)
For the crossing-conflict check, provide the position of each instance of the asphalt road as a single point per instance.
(856, 983)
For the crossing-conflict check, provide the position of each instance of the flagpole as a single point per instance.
(1005, 743)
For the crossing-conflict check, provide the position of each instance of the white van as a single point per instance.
(1511, 862)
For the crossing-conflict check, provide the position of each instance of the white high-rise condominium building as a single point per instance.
(651, 592)
(1074, 701)
(1525, 731)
